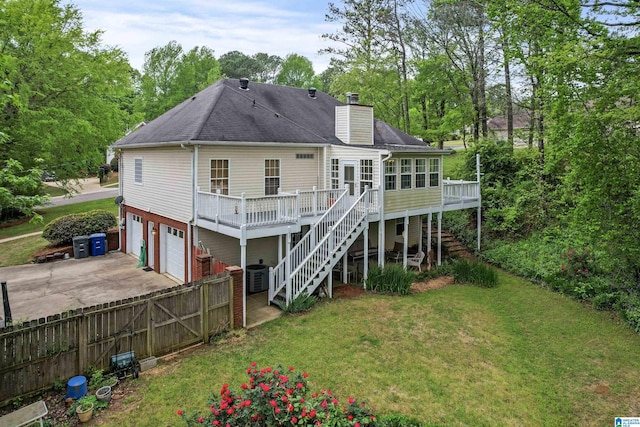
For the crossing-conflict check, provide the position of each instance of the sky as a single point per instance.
(276, 27)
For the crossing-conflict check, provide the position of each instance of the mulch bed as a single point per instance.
(353, 291)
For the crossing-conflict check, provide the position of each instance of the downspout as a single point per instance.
(381, 222)
(120, 181)
(190, 221)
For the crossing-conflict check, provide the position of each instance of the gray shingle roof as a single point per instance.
(265, 113)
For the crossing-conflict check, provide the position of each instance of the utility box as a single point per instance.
(80, 247)
(98, 243)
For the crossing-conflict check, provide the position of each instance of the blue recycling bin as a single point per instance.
(98, 243)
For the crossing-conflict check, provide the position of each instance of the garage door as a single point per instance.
(135, 233)
(175, 252)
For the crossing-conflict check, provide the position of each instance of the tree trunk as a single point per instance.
(507, 86)
(482, 79)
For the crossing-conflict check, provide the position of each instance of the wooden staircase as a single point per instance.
(451, 247)
(309, 262)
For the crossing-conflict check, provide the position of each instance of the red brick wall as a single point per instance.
(238, 287)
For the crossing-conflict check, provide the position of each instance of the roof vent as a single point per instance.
(312, 92)
(244, 83)
(352, 98)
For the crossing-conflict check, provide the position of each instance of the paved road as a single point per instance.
(83, 197)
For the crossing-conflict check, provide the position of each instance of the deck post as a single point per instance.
(287, 264)
(479, 200)
(217, 206)
(314, 201)
(243, 265)
(365, 268)
(243, 209)
(430, 216)
(405, 240)
(440, 238)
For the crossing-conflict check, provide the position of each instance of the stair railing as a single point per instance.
(294, 256)
(326, 250)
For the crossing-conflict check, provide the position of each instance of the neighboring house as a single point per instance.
(521, 123)
(285, 177)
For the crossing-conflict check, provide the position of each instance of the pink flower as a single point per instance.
(352, 401)
(294, 420)
(253, 364)
(291, 368)
(305, 375)
(273, 403)
(179, 411)
(201, 420)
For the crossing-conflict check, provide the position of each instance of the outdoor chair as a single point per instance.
(416, 261)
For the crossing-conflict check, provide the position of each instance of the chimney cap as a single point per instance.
(244, 83)
(352, 98)
(312, 92)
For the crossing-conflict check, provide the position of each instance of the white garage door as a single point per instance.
(175, 252)
(135, 233)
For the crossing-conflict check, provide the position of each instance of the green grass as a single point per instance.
(54, 191)
(462, 355)
(49, 214)
(20, 251)
(451, 164)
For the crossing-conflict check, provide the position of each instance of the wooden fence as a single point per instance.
(36, 354)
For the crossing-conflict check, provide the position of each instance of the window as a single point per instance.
(271, 176)
(405, 173)
(220, 176)
(421, 173)
(335, 174)
(137, 171)
(434, 172)
(399, 227)
(390, 175)
(366, 174)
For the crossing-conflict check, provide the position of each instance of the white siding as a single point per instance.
(354, 124)
(166, 182)
(347, 153)
(246, 168)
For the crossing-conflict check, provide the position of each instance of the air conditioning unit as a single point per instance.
(257, 278)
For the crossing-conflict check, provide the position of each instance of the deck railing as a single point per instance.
(454, 191)
(250, 211)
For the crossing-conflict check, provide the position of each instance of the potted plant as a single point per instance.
(84, 410)
(103, 394)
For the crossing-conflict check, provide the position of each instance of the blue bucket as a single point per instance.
(76, 387)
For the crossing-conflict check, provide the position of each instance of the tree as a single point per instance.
(237, 65)
(170, 76)
(64, 104)
(19, 191)
(296, 70)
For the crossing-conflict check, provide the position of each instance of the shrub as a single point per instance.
(302, 303)
(278, 397)
(475, 273)
(62, 230)
(391, 279)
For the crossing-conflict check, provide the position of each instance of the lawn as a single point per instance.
(517, 354)
(49, 214)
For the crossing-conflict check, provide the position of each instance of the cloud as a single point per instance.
(279, 27)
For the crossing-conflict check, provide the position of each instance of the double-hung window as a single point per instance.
(220, 176)
(271, 176)
(366, 174)
(405, 173)
(390, 177)
(335, 174)
(421, 173)
(434, 172)
(137, 170)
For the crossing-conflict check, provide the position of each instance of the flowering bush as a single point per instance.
(278, 397)
(577, 263)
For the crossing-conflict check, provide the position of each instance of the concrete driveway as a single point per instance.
(40, 290)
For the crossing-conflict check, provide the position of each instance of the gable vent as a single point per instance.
(244, 84)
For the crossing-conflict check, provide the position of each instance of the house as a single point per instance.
(285, 178)
(521, 123)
